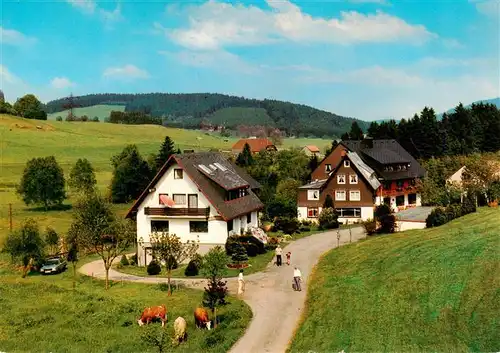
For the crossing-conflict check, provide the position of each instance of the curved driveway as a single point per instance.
(276, 307)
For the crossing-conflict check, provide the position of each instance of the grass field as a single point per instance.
(241, 116)
(20, 140)
(44, 313)
(432, 290)
(102, 111)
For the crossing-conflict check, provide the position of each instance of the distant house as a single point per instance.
(311, 150)
(359, 175)
(197, 196)
(456, 178)
(256, 145)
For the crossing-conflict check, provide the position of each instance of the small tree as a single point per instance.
(328, 202)
(82, 176)
(72, 255)
(26, 245)
(214, 269)
(42, 182)
(245, 158)
(97, 230)
(52, 240)
(30, 107)
(170, 249)
(155, 337)
(240, 254)
(328, 219)
(166, 150)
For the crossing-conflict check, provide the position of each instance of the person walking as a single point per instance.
(288, 257)
(297, 278)
(241, 284)
(279, 253)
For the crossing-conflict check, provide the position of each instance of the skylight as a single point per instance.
(205, 168)
(220, 166)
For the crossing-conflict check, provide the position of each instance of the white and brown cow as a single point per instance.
(153, 312)
(201, 318)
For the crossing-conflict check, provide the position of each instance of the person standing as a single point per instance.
(288, 257)
(297, 278)
(279, 253)
(241, 284)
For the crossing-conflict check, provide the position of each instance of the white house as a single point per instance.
(196, 196)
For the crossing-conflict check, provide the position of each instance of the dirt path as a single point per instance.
(276, 307)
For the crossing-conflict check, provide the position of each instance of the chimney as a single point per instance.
(367, 143)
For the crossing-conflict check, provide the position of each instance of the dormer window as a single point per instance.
(341, 179)
(347, 163)
(328, 168)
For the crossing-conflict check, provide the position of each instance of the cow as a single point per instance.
(180, 326)
(153, 312)
(201, 318)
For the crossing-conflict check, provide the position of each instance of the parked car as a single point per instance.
(54, 265)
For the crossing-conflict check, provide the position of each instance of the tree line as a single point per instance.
(28, 107)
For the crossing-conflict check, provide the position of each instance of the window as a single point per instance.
(159, 226)
(387, 201)
(198, 226)
(353, 179)
(340, 195)
(313, 194)
(178, 174)
(354, 195)
(412, 199)
(400, 200)
(229, 226)
(180, 199)
(328, 168)
(236, 194)
(341, 179)
(160, 197)
(349, 212)
(312, 212)
(192, 201)
(249, 218)
(347, 164)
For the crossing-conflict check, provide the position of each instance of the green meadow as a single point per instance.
(431, 290)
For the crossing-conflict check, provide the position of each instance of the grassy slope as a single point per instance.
(430, 290)
(90, 319)
(20, 140)
(241, 116)
(102, 111)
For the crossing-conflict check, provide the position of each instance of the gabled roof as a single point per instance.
(367, 172)
(214, 188)
(312, 148)
(256, 144)
(315, 184)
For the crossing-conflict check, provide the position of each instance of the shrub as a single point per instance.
(305, 229)
(163, 287)
(231, 244)
(273, 241)
(271, 247)
(328, 219)
(124, 261)
(252, 249)
(370, 226)
(306, 223)
(468, 205)
(95, 119)
(59, 118)
(381, 211)
(154, 268)
(437, 217)
(240, 255)
(133, 260)
(249, 239)
(453, 211)
(286, 225)
(387, 224)
(194, 266)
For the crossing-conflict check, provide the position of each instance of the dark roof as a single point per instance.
(222, 176)
(211, 186)
(377, 153)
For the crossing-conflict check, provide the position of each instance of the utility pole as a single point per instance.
(10, 216)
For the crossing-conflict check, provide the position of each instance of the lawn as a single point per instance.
(102, 111)
(20, 140)
(427, 290)
(44, 312)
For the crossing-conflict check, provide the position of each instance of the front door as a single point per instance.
(193, 201)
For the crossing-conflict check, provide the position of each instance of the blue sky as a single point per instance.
(369, 59)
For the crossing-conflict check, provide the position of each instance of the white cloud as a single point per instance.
(86, 6)
(214, 59)
(110, 17)
(127, 71)
(61, 83)
(13, 37)
(489, 8)
(214, 24)
(452, 43)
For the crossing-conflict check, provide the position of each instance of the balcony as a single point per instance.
(177, 212)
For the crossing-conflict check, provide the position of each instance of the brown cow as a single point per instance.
(201, 318)
(153, 312)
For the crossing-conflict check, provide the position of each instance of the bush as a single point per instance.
(381, 211)
(328, 219)
(468, 205)
(194, 266)
(286, 225)
(240, 255)
(95, 119)
(124, 261)
(59, 118)
(307, 223)
(249, 239)
(133, 260)
(453, 211)
(436, 218)
(154, 268)
(231, 244)
(305, 229)
(252, 249)
(370, 226)
(271, 247)
(387, 224)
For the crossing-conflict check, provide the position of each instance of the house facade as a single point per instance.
(311, 151)
(196, 196)
(256, 145)
(388, 174)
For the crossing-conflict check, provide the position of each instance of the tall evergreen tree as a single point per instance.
(356, 132)
(166, 150)
(373, 130)
(245, 158)
(428, 137)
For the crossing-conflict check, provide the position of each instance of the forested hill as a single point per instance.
(189, 110)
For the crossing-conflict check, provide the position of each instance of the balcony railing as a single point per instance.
(173, 212)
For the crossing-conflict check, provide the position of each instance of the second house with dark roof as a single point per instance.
(196, 196)
(358, 175)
